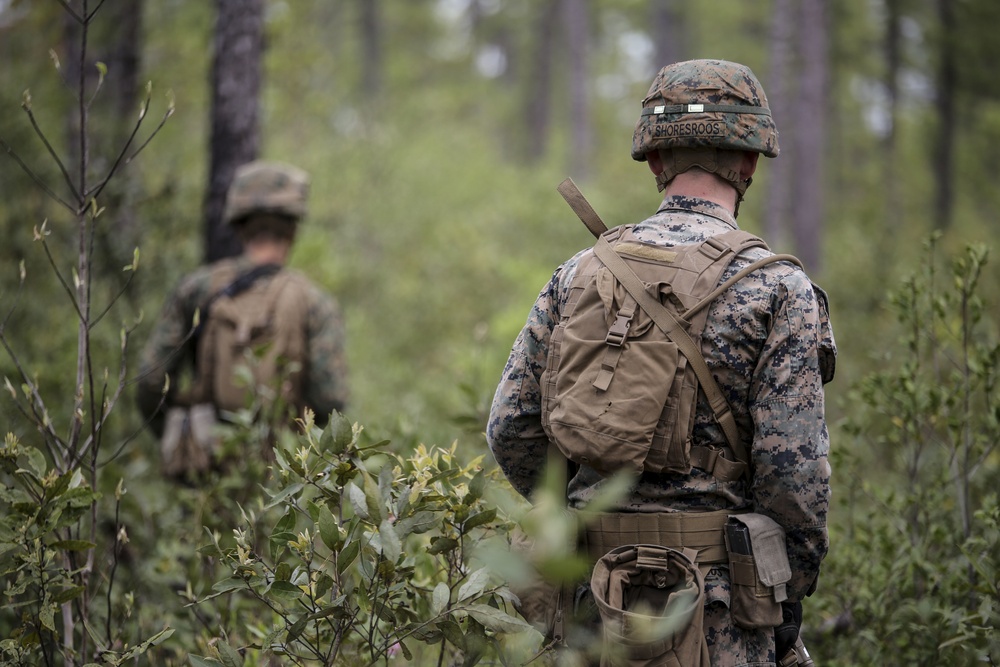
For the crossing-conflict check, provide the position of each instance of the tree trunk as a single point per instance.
(539, 84)
(577, 21)
(779, 171)
(668, 33)
(944, 147)
(893, 65)
(810, 128)
(371, 49)
(235, 131)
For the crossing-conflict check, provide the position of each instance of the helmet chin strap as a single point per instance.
(724, 164)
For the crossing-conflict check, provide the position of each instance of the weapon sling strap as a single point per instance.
(674, 331)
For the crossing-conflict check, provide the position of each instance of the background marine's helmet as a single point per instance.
(705, 104)
(267, 187)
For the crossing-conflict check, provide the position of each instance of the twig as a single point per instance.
(167, 114)
(41, 419)
(114, 299)
(38, 181)
(62, 281)
(96, 190)
(52, 151)
(69, 10)
(90, 16)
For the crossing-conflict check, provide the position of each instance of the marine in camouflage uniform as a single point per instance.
(263, 195)
(767, 341)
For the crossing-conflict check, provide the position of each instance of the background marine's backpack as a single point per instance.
(624, 366)
(253, 341)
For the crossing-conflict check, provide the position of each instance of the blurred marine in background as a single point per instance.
(244, 332)
(684, 353)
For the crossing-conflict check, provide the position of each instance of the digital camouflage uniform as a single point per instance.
(769, 344)
(170, 349)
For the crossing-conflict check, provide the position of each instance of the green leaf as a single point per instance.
(342, 433)
(73, 545)
(286, 524)
(36, 460)
(228, 655)
(46, 615)
(452, 631)
(284, 493)
(441, 544)
(230, 584)
(476, 487)
(324, 584)
(474, 585)
(201, 661)
(391, 546)
(285, 591)
(480, 519)
(440, 598)
(358, 501)
(347, 556)
(68, 594)
(373, 497)
(494, 619)
(421, 522)
(329, 530)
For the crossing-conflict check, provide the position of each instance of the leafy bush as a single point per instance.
(360, 554)
(912, 576)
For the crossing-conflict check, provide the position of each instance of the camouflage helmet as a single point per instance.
(267, 187)
(705, 104)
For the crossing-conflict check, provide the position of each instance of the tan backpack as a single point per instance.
(625, 366)
(253, 342)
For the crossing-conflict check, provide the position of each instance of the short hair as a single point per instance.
(260, 226)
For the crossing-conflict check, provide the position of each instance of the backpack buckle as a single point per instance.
(619, 330)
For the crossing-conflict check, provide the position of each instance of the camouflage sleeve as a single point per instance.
(514, 431)
(791, 443)
(325, 384)
(166, 352)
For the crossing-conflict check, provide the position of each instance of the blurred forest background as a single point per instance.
(436, 131)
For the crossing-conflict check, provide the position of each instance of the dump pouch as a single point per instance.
(758, 570)
(651, 603)
(189, 443)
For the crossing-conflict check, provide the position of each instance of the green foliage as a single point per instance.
(365, 555)
(46, 567)
(912, 573)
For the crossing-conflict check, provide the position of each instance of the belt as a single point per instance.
(701, 531)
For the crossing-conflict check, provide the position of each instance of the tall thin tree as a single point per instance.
(946, 89)
(371, 49)
(809, 149)
(235, 117)
(576, 15)
(779, 171)
(539, 79)
(667, 20)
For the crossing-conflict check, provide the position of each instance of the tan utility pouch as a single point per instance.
(758, 570)
(651, 600)
(189, 441)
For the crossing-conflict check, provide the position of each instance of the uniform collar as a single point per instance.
(681, 203)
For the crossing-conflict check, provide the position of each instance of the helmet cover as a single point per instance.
(705, 104)
(267, 187)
